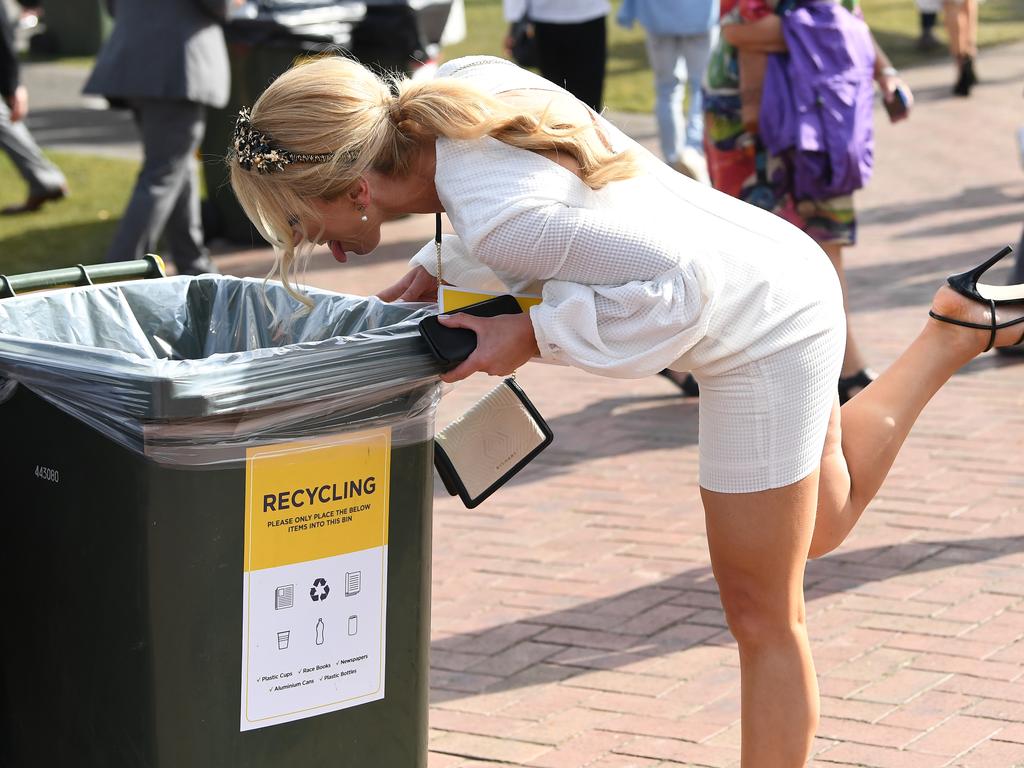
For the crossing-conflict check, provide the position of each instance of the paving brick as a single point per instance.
(992, 754)
(681, 752)
(487, 748)
(956, 736)
(580, 751)
(865, 756)
(901, 686)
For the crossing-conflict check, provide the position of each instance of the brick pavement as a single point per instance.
(575, 619)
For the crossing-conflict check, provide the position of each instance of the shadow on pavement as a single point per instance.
(611, 428)
(672, 615)
(970, 197)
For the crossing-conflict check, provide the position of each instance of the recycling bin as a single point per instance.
(77, 27)
(215, 541)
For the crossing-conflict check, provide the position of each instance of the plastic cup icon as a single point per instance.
(282, 639)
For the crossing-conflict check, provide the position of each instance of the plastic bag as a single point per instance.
(193, 370)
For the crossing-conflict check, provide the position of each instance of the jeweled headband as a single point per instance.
(256, 150)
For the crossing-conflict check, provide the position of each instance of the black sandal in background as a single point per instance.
(850, 386)
(688, 386)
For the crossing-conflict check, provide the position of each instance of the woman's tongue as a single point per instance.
(338, 252)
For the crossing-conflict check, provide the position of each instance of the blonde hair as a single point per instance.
(336, 106)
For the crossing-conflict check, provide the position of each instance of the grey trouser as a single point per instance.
(41, 175)
(165, 200)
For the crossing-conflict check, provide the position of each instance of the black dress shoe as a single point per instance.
(967, 79)
(688, 386)
(34, 202)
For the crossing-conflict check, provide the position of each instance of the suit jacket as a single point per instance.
(8, 56)
(165, 49)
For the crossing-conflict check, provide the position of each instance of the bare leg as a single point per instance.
(758, 544)
(854, 360)
(954, 14)
(970, 23)
(858, 456)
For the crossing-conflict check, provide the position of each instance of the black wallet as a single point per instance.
(453, 345)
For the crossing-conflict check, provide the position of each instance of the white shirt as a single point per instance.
(651, 272)
(556, 11)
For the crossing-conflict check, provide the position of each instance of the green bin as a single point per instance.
(158, 614)
(253, 68)
(77, 27)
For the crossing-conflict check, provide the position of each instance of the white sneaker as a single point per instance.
(692, 164)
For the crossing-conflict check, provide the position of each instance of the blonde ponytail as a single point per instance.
(336, 106)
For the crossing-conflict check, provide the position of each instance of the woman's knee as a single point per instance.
(757, 618)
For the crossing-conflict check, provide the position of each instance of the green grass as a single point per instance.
(630, 86)
(76, 230)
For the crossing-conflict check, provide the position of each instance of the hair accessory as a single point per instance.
(256, 150)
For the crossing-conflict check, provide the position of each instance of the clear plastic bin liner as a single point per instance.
(193, 370)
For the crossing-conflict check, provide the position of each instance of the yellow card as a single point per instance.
(450, 298)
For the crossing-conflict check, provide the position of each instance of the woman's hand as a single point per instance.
(503, 344)
(892, 88)
(416, 285)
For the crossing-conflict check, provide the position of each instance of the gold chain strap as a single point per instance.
(437, 246)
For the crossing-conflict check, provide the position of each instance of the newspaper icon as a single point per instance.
(284, 597)
(353, 583)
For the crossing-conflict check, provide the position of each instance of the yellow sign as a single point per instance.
(451, 299)
(318, 498)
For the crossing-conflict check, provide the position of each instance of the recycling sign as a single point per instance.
(320, 590)
(316, 516)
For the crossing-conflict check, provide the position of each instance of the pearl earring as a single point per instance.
(362, 209)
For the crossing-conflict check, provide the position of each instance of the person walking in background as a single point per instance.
(167, 61)
(928, 13)
(572, 42)
(45, 181)
(740, 163)
(680, 34)
(962, 27)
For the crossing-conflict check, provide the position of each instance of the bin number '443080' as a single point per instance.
(47, 473)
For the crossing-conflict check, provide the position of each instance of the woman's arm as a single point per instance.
(762, 36)
(889, 80)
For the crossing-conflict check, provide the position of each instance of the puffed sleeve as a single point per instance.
(621, 297)
(617, 300)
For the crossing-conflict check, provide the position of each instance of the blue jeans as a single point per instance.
(677, 61)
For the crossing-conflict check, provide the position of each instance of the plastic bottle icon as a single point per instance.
(319, 631)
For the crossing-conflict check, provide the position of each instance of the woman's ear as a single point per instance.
(359, 192)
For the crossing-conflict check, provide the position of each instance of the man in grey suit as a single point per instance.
(45, 181)
(167, 61)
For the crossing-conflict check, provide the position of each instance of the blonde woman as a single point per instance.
(641, 269)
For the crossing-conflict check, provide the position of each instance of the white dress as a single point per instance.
(654, 272)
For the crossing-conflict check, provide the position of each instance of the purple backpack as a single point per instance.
(818, 100)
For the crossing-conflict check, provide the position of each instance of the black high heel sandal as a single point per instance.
(966, 284)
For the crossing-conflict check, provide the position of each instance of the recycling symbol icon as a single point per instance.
(319, 591)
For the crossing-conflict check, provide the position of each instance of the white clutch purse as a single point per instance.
(485, 447)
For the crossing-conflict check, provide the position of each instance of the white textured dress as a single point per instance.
(654, 272)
